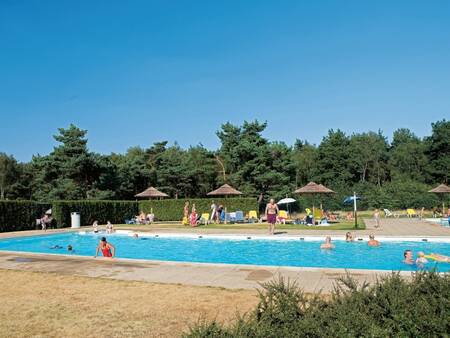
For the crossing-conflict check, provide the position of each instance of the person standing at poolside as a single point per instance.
(106, 248)
(213, 211)
(109, 227)
(271, 215)
(193, 217)
(186, 213)
(376, 217)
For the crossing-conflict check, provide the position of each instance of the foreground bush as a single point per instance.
(392, 307)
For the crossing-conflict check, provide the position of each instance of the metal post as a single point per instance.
(354, 210)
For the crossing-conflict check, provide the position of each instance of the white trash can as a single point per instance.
(75, 219)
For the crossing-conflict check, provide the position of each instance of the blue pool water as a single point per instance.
(296, 252)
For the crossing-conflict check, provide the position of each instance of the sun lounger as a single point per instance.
(239, 217)
(204, 218)
(411, 213)
(252, 216)
(388, 213)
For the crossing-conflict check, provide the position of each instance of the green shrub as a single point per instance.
(392, 307)
(172, 209)
(20, 215)
(90, 211)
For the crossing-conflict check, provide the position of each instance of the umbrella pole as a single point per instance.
(354, 210)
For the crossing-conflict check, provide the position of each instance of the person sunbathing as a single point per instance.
(327, 244)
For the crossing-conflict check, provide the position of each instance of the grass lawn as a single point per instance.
(35, 304)
(344, 225)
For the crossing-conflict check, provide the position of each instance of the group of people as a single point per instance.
(192, 218)
(144, 218)
(109, 228)
(422, 259)
(349, 238)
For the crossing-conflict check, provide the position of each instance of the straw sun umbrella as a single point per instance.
(224, 190)
(313, 188)
(151, 193)
(441, 190)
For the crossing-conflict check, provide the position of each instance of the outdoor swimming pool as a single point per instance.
(294, 252)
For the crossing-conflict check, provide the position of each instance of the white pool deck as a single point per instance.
(220, 275)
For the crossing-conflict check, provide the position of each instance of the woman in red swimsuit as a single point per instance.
(106, 248)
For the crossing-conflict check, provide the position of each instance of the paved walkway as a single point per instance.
(218, 275)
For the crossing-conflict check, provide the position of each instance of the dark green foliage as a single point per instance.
(90, 211)
(386, 175)
(172, 209)
(392, 307)
(20, 215)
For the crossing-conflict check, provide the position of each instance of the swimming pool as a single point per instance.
(295, 251)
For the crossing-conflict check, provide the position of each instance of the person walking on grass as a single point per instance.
(271, 215)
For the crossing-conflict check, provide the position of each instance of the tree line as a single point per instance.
(384, 172)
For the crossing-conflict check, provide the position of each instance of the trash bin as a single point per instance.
(75, 219)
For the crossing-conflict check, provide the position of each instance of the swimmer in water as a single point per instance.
(70, 248)
(439, 258)
(135, 235)
(421, 258)
(372, 241)
(327, 244)
(408, 257)
(349, 237)
(106, 248)
(56, 247)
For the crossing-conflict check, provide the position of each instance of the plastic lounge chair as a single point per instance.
(252, 216)
(411, 213)
(388, 213)
(239, 217)
(282, 216)
(318, 215)
(204, 218)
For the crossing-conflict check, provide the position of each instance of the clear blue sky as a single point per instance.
(136, 72)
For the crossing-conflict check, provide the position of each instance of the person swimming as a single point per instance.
(70, 248)
(349, 237)
(56, 247)
(438, 257)
(421, 258)
(327, 244)
(372, 241)
(106, 248)
(408, 257)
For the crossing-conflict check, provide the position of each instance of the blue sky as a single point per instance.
(136, 72)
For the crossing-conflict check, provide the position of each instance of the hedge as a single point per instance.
(90, 211)
(172, 209)
(20, 215)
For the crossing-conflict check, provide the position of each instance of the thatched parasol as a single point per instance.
(151, 193)
(313, 188)
(225, 190)
(441, 190)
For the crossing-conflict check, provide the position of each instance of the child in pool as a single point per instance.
(421, 258)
